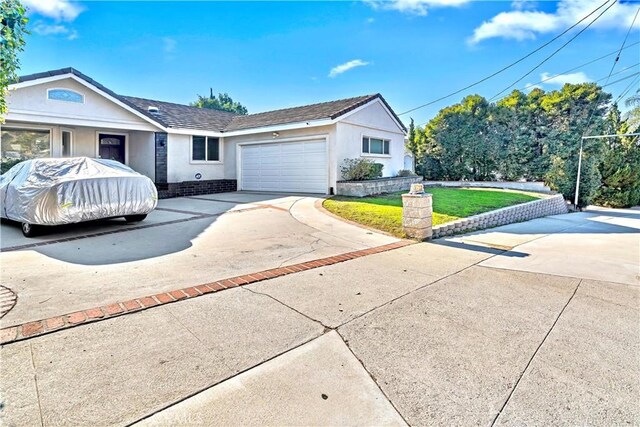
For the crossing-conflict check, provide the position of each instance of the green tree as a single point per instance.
(569, 111)
(412, 142)
(633, 115)
(458, 142)
(12, 31)
(620, 167)
(222, 102)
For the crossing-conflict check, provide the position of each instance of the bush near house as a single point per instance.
(406, 172)
(360, 169)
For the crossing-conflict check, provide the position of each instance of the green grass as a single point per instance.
(385, 212)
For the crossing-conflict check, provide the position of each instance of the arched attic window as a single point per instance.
(66, 95)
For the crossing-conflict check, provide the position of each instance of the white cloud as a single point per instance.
(169, 44)
(370, 20)
(339, 69)
(522, 23)
(562, 79)
(414, 7)
(61, 10)
(45, 29)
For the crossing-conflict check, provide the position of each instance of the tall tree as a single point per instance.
(222, 102)
(12, 31)
(412, 142)
(620, 167)
(574, 111)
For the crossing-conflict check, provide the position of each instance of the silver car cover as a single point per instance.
(63, 191)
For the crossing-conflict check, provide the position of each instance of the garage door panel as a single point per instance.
(297, 166)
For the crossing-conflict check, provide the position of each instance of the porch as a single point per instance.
(22, 140)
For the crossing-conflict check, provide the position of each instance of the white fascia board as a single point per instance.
(198, 132)
(91, 87)
(39, 81)
(71, 120)
(362, 107)
(279, 128)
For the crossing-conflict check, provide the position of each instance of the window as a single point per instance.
(24, 144)
(205, 149)
(66, 143)
(66, 95)
(375, 145)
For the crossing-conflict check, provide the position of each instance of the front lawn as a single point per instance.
(385, 212)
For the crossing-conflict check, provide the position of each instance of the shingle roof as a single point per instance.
(184, 116)
(305, 113)
(173, 115)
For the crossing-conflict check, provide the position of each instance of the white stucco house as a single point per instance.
(187, 150)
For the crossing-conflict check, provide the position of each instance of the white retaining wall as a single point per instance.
(538, 208)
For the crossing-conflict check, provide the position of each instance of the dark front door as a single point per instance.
(111, 147)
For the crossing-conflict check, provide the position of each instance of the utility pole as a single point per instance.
(575, 199)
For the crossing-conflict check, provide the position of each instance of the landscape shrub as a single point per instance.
(406, 172)
(360, 169)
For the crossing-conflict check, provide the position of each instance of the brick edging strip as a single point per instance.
(70, 320)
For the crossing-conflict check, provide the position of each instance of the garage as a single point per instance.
(295, 167)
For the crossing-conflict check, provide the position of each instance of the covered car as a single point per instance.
(70, 190)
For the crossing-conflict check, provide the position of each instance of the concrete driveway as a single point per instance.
(481, 329)
(184, 242)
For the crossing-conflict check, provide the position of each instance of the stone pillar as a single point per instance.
(416, 213)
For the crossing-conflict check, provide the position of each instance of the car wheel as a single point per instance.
(29, 230)
(135, 218)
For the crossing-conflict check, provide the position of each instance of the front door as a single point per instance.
(111, 147)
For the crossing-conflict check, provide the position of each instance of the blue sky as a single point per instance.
(270, 55)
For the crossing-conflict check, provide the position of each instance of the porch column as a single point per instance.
(161, 157)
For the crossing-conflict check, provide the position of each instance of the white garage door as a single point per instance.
(298, 166)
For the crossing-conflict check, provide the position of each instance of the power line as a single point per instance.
(564, 72)
(603, 78)
(556, 51)
(613, 66)
(626, 90)
(586, 63)
(510, 65)
(622, 79)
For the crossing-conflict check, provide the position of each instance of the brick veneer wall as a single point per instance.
(538, 208)
(196, 188)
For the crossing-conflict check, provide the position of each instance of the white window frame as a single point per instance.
(71, 141)
(206, 149)
(62, 100)
(369, 154)
(34, 127)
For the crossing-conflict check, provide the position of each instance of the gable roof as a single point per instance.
(87, 79)
(172, 115)
(184, 116)
(305, 113)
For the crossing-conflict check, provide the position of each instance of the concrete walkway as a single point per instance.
(467, 330)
